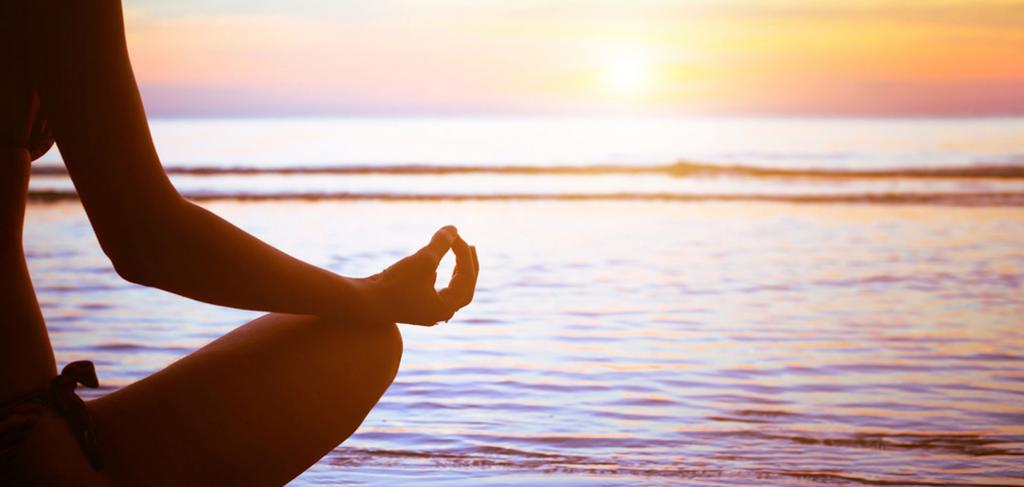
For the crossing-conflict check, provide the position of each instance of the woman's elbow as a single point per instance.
(133, 269)
(134, 259)
(140, 250)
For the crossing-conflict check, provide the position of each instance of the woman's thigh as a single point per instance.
(257, 406)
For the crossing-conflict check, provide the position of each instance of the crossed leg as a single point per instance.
(257, 406)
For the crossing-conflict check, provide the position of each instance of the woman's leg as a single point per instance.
(256, 407)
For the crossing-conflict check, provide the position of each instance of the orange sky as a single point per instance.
(789, 57)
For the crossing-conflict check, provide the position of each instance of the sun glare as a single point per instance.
(628, 74)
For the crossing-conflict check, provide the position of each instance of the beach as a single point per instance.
(634, 342)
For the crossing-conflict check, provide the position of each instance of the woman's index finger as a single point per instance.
(440, 243)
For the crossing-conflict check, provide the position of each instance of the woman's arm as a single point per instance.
(155, 237)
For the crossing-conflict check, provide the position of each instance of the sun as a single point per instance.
(628, 74)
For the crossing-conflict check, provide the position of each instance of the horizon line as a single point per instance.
(546, 115)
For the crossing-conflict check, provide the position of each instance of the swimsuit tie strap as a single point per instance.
(72, 407)
(80, 372)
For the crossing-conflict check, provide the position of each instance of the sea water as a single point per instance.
(671, 327)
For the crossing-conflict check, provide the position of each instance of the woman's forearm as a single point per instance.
(199, 255)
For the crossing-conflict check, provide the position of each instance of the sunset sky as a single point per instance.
(782, 57)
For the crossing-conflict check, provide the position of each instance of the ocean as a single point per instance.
(918, 160)
(661, 301)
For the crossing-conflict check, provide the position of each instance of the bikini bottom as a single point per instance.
(59, 397)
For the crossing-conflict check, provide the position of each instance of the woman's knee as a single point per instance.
(390, 347)
(377, 348)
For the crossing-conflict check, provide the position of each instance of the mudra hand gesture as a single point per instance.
(405, 293)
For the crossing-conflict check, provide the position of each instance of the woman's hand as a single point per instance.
(404, 292)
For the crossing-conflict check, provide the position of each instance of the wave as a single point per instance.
(678, 169)
(567, 464)
(953, 199)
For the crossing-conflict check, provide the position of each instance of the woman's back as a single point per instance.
(26, 361)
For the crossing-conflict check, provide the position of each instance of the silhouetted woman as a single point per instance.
(258, 405)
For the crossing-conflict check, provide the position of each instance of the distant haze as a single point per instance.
(570, 57)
